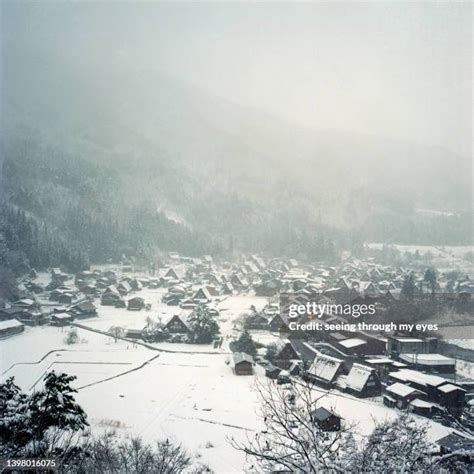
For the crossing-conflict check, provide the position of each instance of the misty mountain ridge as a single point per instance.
(218, 166)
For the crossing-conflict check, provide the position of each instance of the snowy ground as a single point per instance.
(444, 258)
(191, 394)
(455, 251)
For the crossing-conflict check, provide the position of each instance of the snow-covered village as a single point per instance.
(181, 349)
(236, 237)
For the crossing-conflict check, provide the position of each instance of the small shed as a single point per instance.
(243, 363)
(272, 372)
(61, 319)
(326, 420)
(136, 304)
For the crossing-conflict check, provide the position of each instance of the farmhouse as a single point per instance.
(437, 389)
(136, 304)
(83, 309)
(423, 408)
(124, 288)
(243, 363)
(61, 319)
(58, 275)
(400, 395)
(362, 381)
(11, 313)
(202, 295)
(285, 354)
(326, 420)
(175, 273)
(436, 363)
(239, 281)
(136, 284)
(455, 442)
(410, 345)
(134, 333)
(325, 370)
(10, 327)
(178, 324)
(272, 372)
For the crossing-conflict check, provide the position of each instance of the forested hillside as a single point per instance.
(108, 162)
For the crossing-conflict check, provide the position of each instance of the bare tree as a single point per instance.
(116, 332)
(291, 442)
(290, 439)
(111, 453)
(72, 337)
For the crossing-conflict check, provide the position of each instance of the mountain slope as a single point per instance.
(127, 142)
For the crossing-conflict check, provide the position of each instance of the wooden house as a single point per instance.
(285, 354)
(239, 282)
(325, 370)
(272, 372)
(362, 381)
(124, 288)
(10, 327)
(326, 420)
(202, 295)
(243, 363)
(84, 309)
(136, 303)
(400, 395)
(178, 324)
(434, 363)
(61, 319)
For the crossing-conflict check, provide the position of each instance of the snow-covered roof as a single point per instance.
(421, 403)
(401, 389)
(321, 414)
(407, 339)
(358, 376)
(9, 324)
(379, 360)
(427, 359)
(450, 388)
(242, 357)
(62, 316)
(408, 375)
(325, 367)
(352, 342)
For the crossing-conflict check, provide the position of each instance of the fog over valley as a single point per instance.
(253, 126)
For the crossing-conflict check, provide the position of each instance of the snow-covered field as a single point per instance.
(456, 251)
(190, 395)
(445, 258)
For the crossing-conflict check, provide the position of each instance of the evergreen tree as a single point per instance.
(408, 287)
(431, 279)
(203, 326)
(27, 420)
(55, 406)
(246, 344)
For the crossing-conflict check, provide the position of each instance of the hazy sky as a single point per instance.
(396, 69)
